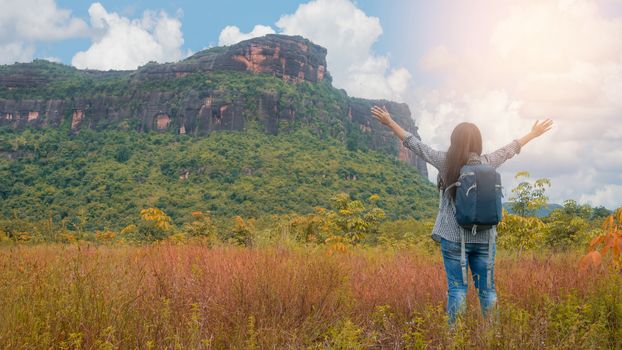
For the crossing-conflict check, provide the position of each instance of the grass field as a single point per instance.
(195, 297)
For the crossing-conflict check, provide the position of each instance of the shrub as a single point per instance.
(610, 242)
(520, 233)
(569, 227)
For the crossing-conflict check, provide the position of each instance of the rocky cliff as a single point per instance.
(274, 82)
(291, 58)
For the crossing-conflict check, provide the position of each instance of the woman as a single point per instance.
(466, 147)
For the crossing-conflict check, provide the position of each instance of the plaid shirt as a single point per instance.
(446, 225)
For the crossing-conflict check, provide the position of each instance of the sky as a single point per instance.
(501, 64)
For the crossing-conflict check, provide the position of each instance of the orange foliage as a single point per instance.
(69, 237)
(23, 236)
(336, 244)
(243, 231)
(105, 236)
(609, 242)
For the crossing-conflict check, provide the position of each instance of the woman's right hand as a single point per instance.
(536, 130)
(381, 114)
(540, 128)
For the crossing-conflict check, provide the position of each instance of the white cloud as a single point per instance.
(16, 51)
(25, 23)
(123, 43)
(348, 34)
(232, 34)
(52, 59)
(609, 196)
(544, 58)
(437, 59)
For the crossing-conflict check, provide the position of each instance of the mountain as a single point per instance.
(541, 213)
(206, 92)
(59, 126)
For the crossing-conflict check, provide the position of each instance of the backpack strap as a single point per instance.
(463, 263)
(441, 193)
(455, 184)
(463, 253)
(440, 199)
(491, 242)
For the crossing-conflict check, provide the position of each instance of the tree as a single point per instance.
(243, 231)
(521, 230)
(573, 209)
(202, 227)
(348, 222)
(600, 213)
(568, 226)
(529, 197)
(354, 220)
(155, 225)
(123, 154)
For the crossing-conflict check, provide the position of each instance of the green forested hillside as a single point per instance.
(103, 178)
(90, 149)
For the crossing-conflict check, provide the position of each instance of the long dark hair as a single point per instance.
(465, 138)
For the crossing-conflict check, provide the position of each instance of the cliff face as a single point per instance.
(175, 97)
(291, 58)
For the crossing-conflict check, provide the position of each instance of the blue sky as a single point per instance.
(499, 64)
(202, 22)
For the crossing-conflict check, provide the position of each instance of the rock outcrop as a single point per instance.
(291, 58)
(194, 111)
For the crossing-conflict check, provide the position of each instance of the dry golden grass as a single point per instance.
(193, 297)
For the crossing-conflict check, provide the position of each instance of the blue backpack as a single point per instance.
(478, 197)
(478, 207)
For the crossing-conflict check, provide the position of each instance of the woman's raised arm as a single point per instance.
(384, 117)
(499, 156)
(432, 156)
(536, 130)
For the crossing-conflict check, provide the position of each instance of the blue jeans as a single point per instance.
(477, 261)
